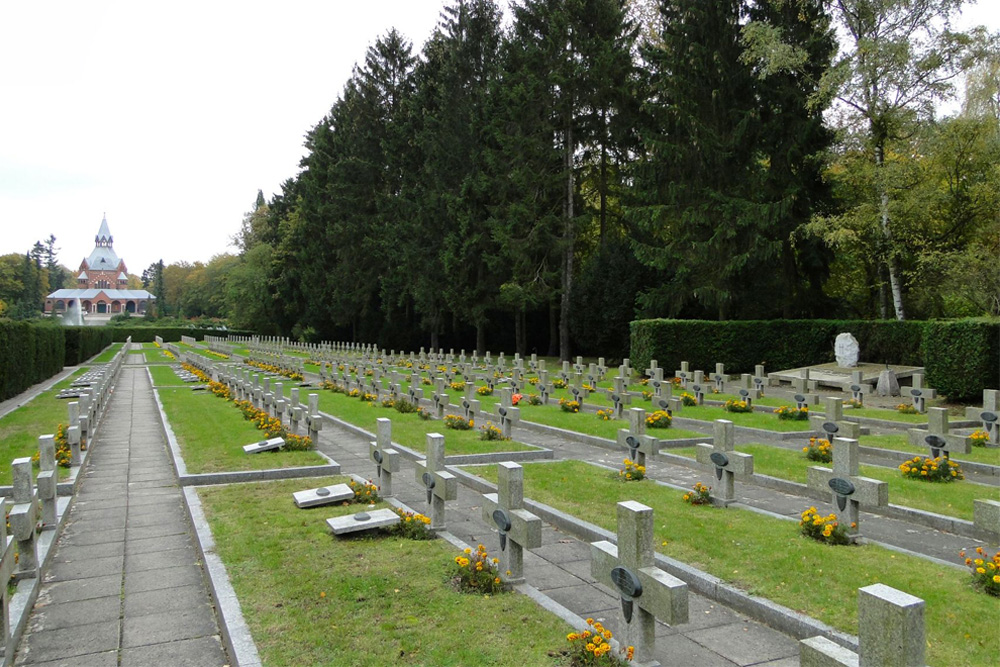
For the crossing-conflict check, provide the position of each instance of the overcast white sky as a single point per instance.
(170, 116)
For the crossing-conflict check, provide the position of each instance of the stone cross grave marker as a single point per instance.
(654, 372)
(73, 433)
(634, 440)
(6, 569)
(835, 415)
(519, 529)
(719, 377)
(937, 436)
(646, 592)
(508, 417)
(22, 520)
(384, 456)
(314, 421)
(441, 402)
(698, 391)
(683, 373)
(353, 523)
(47, 479)
(728, 463)
(890, 633)
(439, 484)
(850, 490)
(991, 403)
(323, 495)
(264, 445)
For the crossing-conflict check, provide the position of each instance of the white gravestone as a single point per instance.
(846, 349)
(324, 495)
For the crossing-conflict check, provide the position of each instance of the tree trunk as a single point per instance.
(480, 338)
(892, 264)
(567, 277)
(553, 330)
(604, 181)
(518, 331)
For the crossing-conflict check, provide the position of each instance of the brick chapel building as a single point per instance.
(101, 285)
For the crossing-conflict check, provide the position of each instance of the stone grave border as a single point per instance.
(746, 430)
(774, 615)
(604, 443)
(200, 479)
(948, 524)
(540, 453)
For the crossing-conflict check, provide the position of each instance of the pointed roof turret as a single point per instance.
(104, 234)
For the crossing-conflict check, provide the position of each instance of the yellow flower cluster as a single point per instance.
(458, 423)
(787, 412)
(605, 415)
(221, 390)
(906, 409)
(702, 495)
(477, 572)
(273, 368)
(457, 386)
(569, 406)
(687, 399)
(490, 432)
(822, 528)
(941, 469)
(592, 644)
(985, 571)
(659, 419)
(979, 438)
(197, 372)
(365, 493)
(632, 472)
(219, 355)
(485, 390)
(818, 450)
(733, 405)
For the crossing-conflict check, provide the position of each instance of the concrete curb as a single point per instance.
(235, 633)
(895, 455)
(774, 615)
(604, 443)
(534, 454)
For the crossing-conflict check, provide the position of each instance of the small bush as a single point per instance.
(491, 432)
(404, 407)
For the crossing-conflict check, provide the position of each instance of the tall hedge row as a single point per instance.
(962, 358)
(169, 334)
(82, 343)
(29, 353)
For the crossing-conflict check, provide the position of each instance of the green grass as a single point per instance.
(761, 420)
(886, 414)
(385, 600)
(768, 557)
(590, 424)
(211, 433)
(164, 376)
(108, 354)
(20, 429)
(901, 443)
(410, 430)
(155, 356)
(953, 499)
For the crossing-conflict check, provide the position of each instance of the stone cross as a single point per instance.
(48, 477)
(440, 484)
(646, 591)
(314, 421)
(683, 373)
(519, 529)
(890, 633)
(7, 555)
(73, 432)
(726, 461)
(634, 439)
(699, 393)
(441, 401)
(294, 417)
(385, 458)
(937, 437)
(991, 403)
(850, 490)
(22, 520)
(835, 415)
(508, 417)
(618, 402)
(654, 372)
(719, 377)
(415, 394)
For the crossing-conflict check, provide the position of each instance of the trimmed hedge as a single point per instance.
(82, 343)
(29, 353)
(962, 358)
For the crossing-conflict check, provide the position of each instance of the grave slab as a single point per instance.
(323, 495)
(353, 523)
(264, 445)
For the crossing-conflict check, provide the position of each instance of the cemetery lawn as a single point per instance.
(761, 420)
(410, 430)
(164, 376)
(20, 429)
(108, 354)
(155, 356)
(951, 499)
(590, 424)
(901, 443)
(768, 557)
(313, 599)
(769, 401)
(211, 433)
(887, 414)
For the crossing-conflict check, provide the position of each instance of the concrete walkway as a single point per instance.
(126, 586)
(715, 636)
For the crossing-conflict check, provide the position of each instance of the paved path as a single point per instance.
(715, 636)
(125, 586)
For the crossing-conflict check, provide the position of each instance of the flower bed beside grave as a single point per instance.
(475, 572)
(631, 472)
(659, 419)
(734, 405)
(699, 495)
(985, 571)
(979, 438)
(272, 368)
(941, 469)
(458, 423)
(818, 449)
(273, 428)
(569, 406)
(822, 528)
(592, 646)
(786, 412)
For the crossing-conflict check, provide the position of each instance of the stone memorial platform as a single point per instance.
(324, 495)
(353, 523)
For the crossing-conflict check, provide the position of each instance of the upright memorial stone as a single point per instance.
(835, 415)
(850, 490)
(385, 458)
(728, 463)
(22, 520)
(937, 436)
(890, 633)
(439, 484)
(683, 373)
(634, 440)
(519, 528)
(47, 480)
(646, 592)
